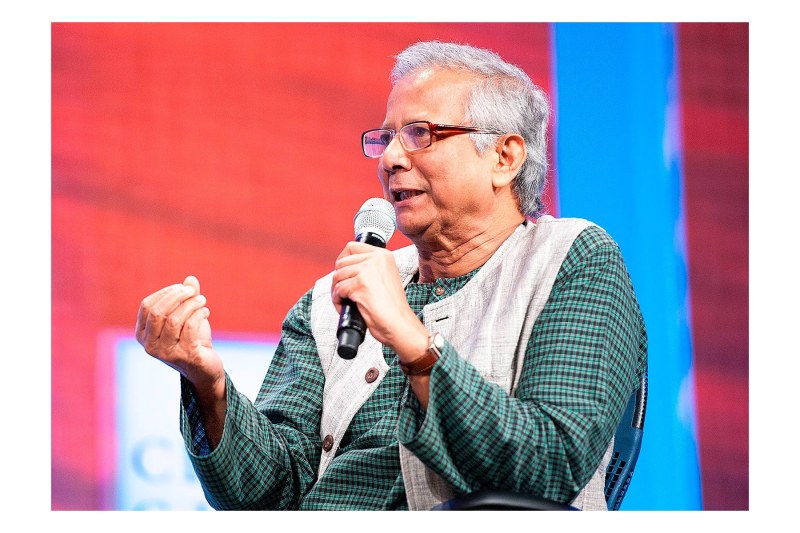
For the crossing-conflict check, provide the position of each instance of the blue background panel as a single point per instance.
(618, 163)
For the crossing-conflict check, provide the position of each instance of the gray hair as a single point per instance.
(504, 99)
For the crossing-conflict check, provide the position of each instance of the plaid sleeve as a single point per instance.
(586, 352)
(269, 452)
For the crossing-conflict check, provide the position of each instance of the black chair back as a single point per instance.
(627, 443)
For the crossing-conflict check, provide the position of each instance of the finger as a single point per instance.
(360, 247)
(174, 323)
(355, 247)
(158, 312)
(193, 327)
(344, 290)
(365, 253)
(148, 303)
(366, 265)
(349, 260)
(346, 272)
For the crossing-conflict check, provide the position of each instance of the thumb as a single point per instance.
(194, 283)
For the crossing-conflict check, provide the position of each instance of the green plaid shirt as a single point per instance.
(586, 355)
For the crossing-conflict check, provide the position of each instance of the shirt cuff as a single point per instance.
(191, 421)
(416, 425)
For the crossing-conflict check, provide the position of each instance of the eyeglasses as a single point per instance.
(414, 136)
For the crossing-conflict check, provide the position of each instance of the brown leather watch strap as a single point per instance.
(423, 365)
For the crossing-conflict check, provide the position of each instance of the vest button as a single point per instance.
(439, 290)
(327, 443)
(371, 375)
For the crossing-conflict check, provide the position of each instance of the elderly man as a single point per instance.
(501, 352)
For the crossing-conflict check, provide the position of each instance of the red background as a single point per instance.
(231, 152)
(714, 71)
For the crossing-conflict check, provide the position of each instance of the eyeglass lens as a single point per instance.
(414, 136)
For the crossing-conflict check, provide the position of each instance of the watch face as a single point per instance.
(438, 341)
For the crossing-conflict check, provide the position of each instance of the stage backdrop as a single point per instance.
(231, 152)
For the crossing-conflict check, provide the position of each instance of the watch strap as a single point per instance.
(423, 365)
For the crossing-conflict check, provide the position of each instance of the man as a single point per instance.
(500, 352)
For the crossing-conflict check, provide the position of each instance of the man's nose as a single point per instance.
(395, 157)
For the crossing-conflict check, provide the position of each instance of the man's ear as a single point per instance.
(511, 154)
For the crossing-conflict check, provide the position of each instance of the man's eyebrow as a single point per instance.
(384, 126)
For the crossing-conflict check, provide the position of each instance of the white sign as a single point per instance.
(151, 466)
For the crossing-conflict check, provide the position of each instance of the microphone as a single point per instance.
(374, 224)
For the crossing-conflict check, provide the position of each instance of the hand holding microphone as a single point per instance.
(374, 224)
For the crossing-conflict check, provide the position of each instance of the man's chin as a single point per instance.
(414, 229)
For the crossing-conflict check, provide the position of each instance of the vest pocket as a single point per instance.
(496, 369)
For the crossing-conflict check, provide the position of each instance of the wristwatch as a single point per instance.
(423, 365)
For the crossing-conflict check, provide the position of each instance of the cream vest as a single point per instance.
(488, 321)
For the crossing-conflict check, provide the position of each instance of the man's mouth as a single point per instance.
(399, 196)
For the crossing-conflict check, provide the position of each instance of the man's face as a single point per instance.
(444, 190)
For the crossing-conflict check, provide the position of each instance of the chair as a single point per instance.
(627, 443)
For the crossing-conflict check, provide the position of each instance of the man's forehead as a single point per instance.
(421, 76)
(428, 90)
(438, 76)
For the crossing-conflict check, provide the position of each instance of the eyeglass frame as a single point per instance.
(434, 129)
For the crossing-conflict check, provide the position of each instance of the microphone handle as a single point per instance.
(352, 328)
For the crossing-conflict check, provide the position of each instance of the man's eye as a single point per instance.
(418, 131)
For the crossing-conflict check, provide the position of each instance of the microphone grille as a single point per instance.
(375, 216)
